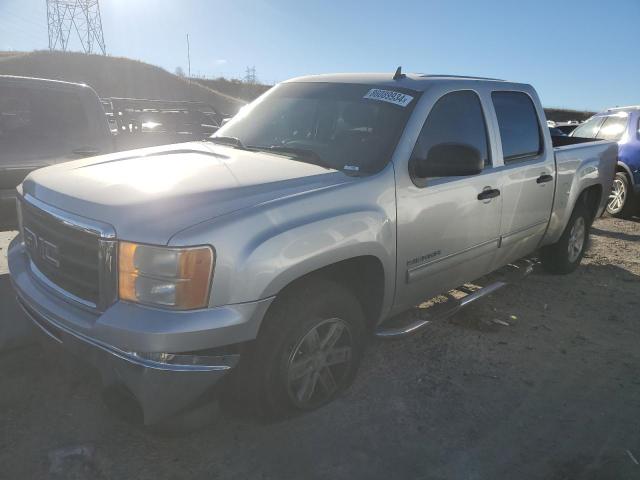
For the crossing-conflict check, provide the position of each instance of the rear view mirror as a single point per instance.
(449, 160)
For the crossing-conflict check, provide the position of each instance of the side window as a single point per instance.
(588, 129)
(457, 118)
(613, 127)
(31, 119)
(519, 127)
(15, 112)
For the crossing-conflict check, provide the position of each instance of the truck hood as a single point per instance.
(150, 194)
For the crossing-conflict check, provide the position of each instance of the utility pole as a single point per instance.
(81, 17)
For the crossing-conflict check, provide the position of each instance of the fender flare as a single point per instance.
(627, 170)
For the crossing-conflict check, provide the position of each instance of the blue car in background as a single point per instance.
(620, 125)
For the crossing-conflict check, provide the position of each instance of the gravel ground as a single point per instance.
(551, 390)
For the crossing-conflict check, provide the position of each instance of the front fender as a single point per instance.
(288, 255)
(261, 250)
(629, 161)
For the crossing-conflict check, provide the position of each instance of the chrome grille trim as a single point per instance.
(103, 230)
(107, 253)
(42, 278)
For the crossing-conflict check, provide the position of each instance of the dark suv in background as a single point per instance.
(43, 122)
(620, 125)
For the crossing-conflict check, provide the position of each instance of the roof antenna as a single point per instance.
(399, 75)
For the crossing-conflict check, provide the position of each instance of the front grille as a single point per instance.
(67, 256)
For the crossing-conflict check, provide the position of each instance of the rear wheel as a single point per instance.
(307, 352)
(621, 201)
(565, 255)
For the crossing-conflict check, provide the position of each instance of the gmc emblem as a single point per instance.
(46, 250)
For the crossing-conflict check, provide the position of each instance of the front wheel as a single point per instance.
(565, 255)
(307, 352)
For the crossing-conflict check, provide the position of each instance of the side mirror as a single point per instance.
(449, 160)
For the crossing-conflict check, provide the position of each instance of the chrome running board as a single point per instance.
(513, 273)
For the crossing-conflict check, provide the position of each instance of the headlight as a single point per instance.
(170, 277)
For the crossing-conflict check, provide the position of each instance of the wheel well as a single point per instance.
(364, 276)
(591, 197)
(622, 168)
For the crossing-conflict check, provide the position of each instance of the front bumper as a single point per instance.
(119, 340)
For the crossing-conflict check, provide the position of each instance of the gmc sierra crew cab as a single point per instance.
(264, 256)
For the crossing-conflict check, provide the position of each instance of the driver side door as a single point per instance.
(448, 228)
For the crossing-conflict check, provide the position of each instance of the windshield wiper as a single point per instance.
(232, 141)
(302, 153)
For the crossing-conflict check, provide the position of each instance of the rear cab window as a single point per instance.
(457, 117)
(519, 127)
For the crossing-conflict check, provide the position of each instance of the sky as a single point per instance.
(578, 54)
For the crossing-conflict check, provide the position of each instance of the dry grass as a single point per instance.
(113, 77)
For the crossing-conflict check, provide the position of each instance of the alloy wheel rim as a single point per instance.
(617, 197)
(576, 239)
(319, 363)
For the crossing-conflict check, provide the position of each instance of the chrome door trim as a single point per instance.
(523, 229)
(415, 271)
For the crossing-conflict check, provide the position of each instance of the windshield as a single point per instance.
(352, 128)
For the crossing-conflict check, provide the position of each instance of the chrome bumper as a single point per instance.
(160, 388)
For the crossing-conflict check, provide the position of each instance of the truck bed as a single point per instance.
(581, 163)
(566, 140)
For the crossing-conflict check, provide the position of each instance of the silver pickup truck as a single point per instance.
(266, 255)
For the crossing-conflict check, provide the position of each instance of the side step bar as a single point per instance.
(514, 272)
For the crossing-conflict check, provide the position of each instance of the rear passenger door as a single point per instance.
(528, 175)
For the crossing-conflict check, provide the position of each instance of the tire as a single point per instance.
(621, 202)
(287, 347)
(564, 256)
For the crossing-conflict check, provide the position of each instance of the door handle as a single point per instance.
(544, 178)
(488, 194)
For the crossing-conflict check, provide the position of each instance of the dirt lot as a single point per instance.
(555, 394)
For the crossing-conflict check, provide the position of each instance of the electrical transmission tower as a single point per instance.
(250, 76)
(64, 17)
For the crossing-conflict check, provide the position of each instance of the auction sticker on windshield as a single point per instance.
(389, 96)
